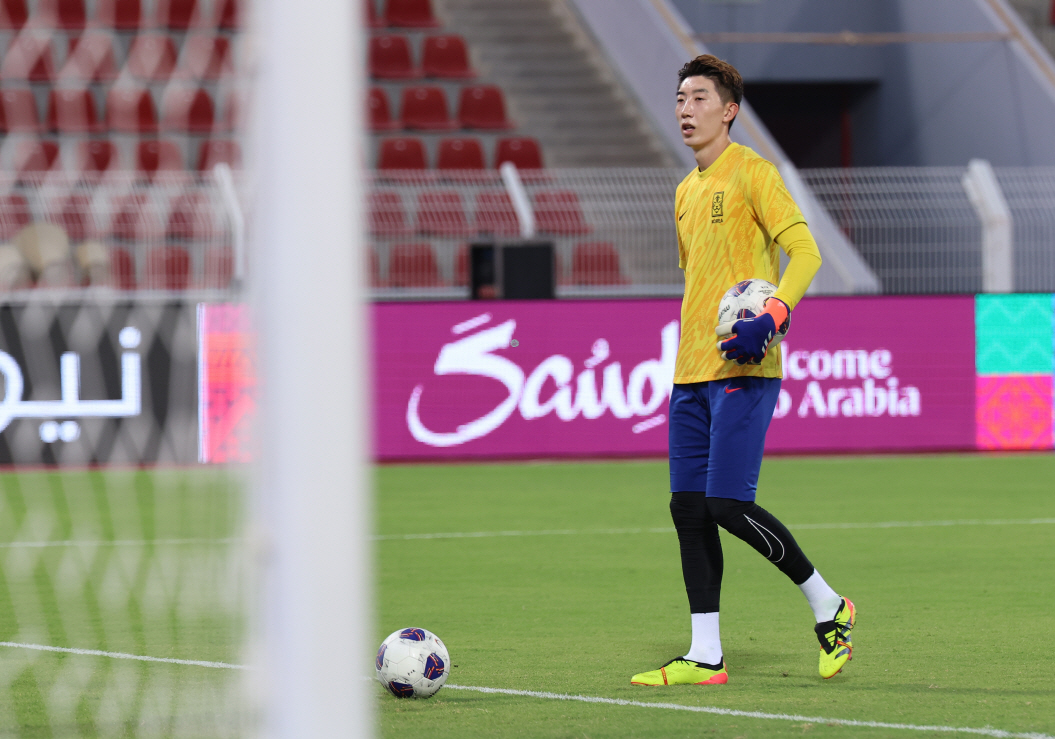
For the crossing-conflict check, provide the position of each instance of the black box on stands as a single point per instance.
(515, 271)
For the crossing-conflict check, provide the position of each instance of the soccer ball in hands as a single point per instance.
(413, 663)
(746, 300)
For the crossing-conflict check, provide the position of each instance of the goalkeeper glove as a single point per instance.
(749, 338)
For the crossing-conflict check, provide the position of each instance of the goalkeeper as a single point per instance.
(732, 213)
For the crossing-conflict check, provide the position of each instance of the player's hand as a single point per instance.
(749, 338)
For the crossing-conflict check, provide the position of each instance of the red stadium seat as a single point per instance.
(13, 14)
(72, 111)
(187, 110)
(495, 214)
(523, 152)
(206, 57)
(121, 15)
(14, 215)
(558, 212)
(177, 15)
(135, 219)
(404, 153)
(122, 269)
(596, 263)
(460, 154)
(410, 14)
(441, 213)
(75, 215)
(380, 116)
(168, 268)
(18, 111)
(446, 57)
(389, 58)
(152, 57)
(425, 108)
(228, 15)
(482, 106)
(217, 151)
(65, 14)
(28, 59)
(97, 157)
(191, 218)
(372, 19)
(130, 109)
(386, 214)
(91, 59)
(36, 157)
(218, 268)
(413, 265)
(154, 157)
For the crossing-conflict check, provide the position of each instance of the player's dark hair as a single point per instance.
(727, 81)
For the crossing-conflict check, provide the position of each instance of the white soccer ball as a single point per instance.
(746, 300)
(413, 663)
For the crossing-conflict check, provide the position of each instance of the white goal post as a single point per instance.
(307, 247)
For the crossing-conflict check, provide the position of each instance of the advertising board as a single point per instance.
(105, 382)
(592, 378)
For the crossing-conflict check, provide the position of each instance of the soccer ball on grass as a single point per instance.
(413, 663)
(746, 299)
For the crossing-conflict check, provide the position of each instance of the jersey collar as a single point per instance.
(717, 162)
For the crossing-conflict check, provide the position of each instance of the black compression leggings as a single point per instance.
(697, 518)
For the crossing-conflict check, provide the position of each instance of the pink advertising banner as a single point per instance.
(592, 378)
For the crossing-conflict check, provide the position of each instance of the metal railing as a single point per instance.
(175, 233)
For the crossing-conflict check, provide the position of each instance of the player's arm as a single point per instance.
(752, 336)
(798, 243)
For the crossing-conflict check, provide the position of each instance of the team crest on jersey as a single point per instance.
(716, 206)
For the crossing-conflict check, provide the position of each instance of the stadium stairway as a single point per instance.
(558, 84)
(1039, 15)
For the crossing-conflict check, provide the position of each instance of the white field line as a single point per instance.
(122, 655)
(755, 714)
(113, 543)
(586, 698)
(670, 529)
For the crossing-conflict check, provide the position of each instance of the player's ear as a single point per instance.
(730, 112)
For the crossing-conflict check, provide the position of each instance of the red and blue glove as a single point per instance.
(749, 338)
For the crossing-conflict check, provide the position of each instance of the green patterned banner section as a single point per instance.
(1014, 335)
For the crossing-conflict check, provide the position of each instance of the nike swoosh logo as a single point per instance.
(732, 389)
(682, 215)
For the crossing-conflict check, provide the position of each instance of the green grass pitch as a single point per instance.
(955, 623)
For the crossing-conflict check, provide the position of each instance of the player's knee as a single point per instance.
(689, 509)
(728, 512)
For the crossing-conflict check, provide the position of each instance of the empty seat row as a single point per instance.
(415, 265)
(443, 57)
(189, 216)
(461, 153)
(95, 57)
(122, 15)
(442, 213)
(400, 14)
(171, 268)
(424, 108)
(129, 109)
(94, 158)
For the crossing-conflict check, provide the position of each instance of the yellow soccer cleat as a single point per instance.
(834, 636)
(681, 671)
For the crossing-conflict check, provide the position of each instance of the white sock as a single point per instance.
(824, 601)
(706, 643)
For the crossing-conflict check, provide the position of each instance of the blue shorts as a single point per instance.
(717, 431)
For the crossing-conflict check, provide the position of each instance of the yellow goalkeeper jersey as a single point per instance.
(728, 217)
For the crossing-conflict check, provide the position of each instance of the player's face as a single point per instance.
(701, 113)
